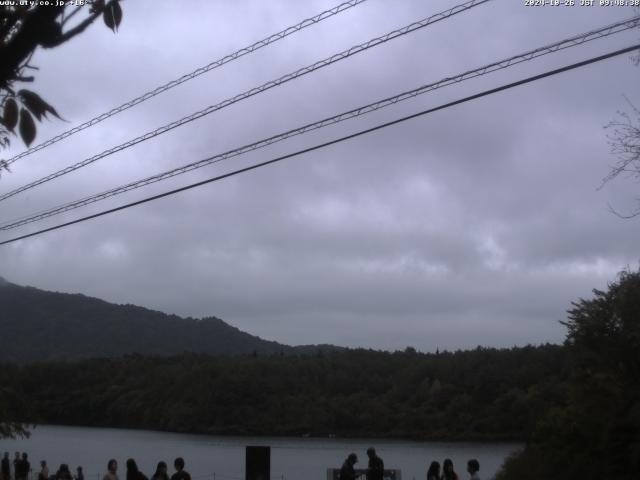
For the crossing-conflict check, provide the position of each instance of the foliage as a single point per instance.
(596, 433)
(11, 401)
(24, 28)
(478, 394)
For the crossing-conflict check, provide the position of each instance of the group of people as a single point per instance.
(22, 468)
(448, 473)
(134, 473)
(375, 468)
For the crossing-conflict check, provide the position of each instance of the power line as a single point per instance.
(254, 91)
(492, 67)
(189, 76)
(332, 142)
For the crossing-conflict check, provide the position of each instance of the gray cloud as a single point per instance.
(474, 225)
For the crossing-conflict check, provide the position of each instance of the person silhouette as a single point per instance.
(447, 470)
(6, 467)
(347, 471)
(44, 471)
(434, 471)
(376, 465)
(473, 467)
(112, 468)
(181, 473)
(161, 472)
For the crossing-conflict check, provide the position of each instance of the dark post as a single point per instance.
(258, 463)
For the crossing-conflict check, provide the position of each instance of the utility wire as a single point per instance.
(492, 67)
(332, 142)
(207, 68)
(256, 90)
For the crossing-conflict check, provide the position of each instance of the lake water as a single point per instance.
(222, 458)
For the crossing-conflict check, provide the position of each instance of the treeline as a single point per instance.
(594, 433)
(471, 395)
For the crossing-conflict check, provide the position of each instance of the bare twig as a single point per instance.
(624, 142)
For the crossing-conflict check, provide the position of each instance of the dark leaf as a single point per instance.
(27, 127)
(10, 118)
(50, 34)
(97, 6)
(36, 104)
(112, 15)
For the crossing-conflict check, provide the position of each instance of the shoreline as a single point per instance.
(494, 440)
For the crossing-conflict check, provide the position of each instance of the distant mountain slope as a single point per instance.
(38, 325)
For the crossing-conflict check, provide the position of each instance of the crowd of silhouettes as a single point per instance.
(133, 473)
(448, 472)
(22, 469)
(21, 466)
(375, 469)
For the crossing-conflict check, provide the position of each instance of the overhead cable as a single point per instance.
(331, 142)
(189, 76)
(371, 107)
(254, 91)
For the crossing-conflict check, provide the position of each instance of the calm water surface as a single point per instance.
(206, 456)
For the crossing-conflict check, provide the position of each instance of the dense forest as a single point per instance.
(478, 394)
(594, 433)
(575, 406)
(38, 325)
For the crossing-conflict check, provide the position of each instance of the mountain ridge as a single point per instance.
(40, 325)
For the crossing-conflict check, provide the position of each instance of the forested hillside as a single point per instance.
(37, 325)
(478, 394)
(595, 432)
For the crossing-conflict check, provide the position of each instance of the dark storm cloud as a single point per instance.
(475, 225)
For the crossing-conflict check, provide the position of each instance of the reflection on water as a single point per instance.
(222, 458)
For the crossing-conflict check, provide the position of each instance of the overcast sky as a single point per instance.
(476, 225)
